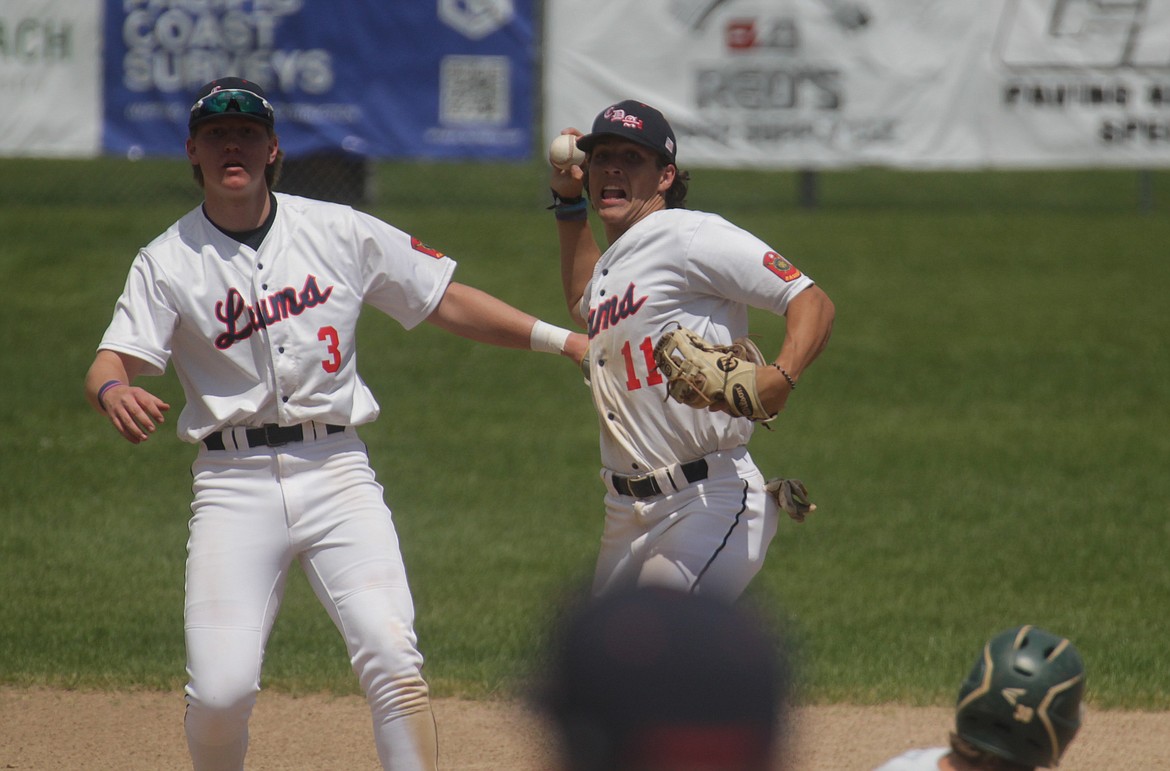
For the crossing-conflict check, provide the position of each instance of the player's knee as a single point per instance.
(389, 668)
(392, 680)
(219, 704)
(395, 696)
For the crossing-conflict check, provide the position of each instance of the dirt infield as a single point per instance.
(45, 729)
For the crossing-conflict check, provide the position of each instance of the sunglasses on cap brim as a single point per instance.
(232, 100)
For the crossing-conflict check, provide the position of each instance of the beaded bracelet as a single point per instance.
(791, 382)
(106, 386)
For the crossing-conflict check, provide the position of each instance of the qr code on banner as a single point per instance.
(474, 89)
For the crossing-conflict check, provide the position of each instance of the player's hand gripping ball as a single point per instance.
(563, 153)
(699, 373)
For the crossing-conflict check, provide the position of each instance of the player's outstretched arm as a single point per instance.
(134, 412)
(483, 318)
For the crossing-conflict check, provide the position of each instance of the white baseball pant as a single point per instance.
(256, 510)
(710, 537)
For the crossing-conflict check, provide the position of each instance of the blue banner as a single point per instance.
(440, 79)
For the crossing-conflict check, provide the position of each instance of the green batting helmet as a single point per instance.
(1022, 700)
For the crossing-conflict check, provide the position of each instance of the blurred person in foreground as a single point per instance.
(656, 679)
(1017, 710)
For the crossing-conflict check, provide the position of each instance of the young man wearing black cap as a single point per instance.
(686, 505)
(255, 297)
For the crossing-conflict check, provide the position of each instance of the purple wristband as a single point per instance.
(106, 386)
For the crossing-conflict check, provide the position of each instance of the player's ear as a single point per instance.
(273, 146)
(666, 177)
(191, 150)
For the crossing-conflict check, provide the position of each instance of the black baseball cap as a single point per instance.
(231, 96)
(636, 122)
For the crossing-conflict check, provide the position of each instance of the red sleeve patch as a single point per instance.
(781, 267)
(419, 246)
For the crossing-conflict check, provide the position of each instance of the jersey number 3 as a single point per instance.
(653, 376)
(329, 336)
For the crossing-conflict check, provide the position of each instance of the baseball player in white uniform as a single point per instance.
(254, 297)
(686, 504)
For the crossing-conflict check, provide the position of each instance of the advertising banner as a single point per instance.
(421, 79)
(906, 83)
(49, 85)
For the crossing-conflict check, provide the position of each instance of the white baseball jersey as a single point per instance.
(268, 335)
(674, 267)
(916, 760)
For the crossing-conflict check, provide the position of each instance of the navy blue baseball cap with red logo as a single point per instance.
(634, 121)
(232, 97)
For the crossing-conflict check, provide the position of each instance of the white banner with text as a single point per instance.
(50, 81)
(905, 83)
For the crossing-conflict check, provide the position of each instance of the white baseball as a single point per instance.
(564, 153)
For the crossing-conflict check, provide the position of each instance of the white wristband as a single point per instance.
(548, 339)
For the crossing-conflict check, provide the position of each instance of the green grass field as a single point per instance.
(986, 436)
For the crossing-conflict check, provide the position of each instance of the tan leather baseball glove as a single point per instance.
(699, 373)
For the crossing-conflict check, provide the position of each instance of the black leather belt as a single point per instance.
(268, 435)
(646, 486)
